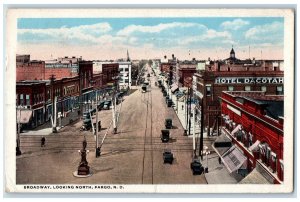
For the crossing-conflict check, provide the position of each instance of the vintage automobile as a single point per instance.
(169, 103)
(87, 125)
(168, 123)
(165, 135)
(144, 88)
(168, 156)
(197, 167)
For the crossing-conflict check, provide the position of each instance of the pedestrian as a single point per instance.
(182, 107)
(220, 161)
(43, 140)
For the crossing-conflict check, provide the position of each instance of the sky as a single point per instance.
(148, 38)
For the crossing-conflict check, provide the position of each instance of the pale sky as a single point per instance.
(145, 38)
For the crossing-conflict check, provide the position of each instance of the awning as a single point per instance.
(23, 115)
(174, 88)
(233, 159)
(254, 146)
(255, 177)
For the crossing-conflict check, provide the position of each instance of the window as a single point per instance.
(27, 100)
(247, 88)
(264, 88)
(21, 99)
(230, 88)
(208, 90)
(279, 90)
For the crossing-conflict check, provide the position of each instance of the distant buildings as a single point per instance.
(125, 69)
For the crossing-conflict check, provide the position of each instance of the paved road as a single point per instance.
(132, 156)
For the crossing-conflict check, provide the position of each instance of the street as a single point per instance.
(132, 156)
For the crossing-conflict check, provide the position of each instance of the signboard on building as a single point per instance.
(201, 66)
(249, 80)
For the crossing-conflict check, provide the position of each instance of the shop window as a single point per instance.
(279, 90)
(27, 100)
(268, 156)
(21, 99)
(273, 162)
(281, 170)
(263, 88)
(230, 88)
(247, 88)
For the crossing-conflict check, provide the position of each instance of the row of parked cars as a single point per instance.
(103, 105)
(168, 157)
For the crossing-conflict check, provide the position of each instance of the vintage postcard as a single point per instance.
(149, 100)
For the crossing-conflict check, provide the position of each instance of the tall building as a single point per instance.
(233, 74)
(125, 80)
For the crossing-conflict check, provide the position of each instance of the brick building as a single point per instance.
(186, 70)
(30, 95)
(30, 70)
(234, 75)
(111, 71)
(253, 122)
(38, 95)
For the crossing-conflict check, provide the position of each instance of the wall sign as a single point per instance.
(249, 80)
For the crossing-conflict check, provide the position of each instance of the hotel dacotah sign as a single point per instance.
(249, 80)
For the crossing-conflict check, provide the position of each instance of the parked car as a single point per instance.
(168, 123)
(168, 156)
(106, 107)
(165, 135)
(197, 167)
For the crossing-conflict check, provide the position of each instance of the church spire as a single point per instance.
(232, 53)
(128, 58)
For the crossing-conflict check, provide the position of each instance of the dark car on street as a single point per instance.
(170, 103)
(165, 135)
(197, 167)
(168, 123)
(168, 156)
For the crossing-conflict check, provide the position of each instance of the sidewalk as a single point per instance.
(46, 128)
(181, 113)
(217, 173)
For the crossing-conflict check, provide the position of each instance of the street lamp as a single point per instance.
(206, 152)
(97, 147)
(114, 104)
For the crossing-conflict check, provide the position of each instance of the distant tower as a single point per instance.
(232, 53)
(128, 58)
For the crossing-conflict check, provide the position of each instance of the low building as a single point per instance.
(30, 96)
(253, 122)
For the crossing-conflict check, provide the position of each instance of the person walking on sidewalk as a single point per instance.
(182, 107)
(43, 140)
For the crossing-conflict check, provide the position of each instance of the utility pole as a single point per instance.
(114, 115)
(194, 133)
(52, 78)
(201, 131)
(189, 110)
(97, 128)
(18, 150)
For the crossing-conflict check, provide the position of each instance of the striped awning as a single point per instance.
(233, 159)
(175, 87)
(23, 115)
